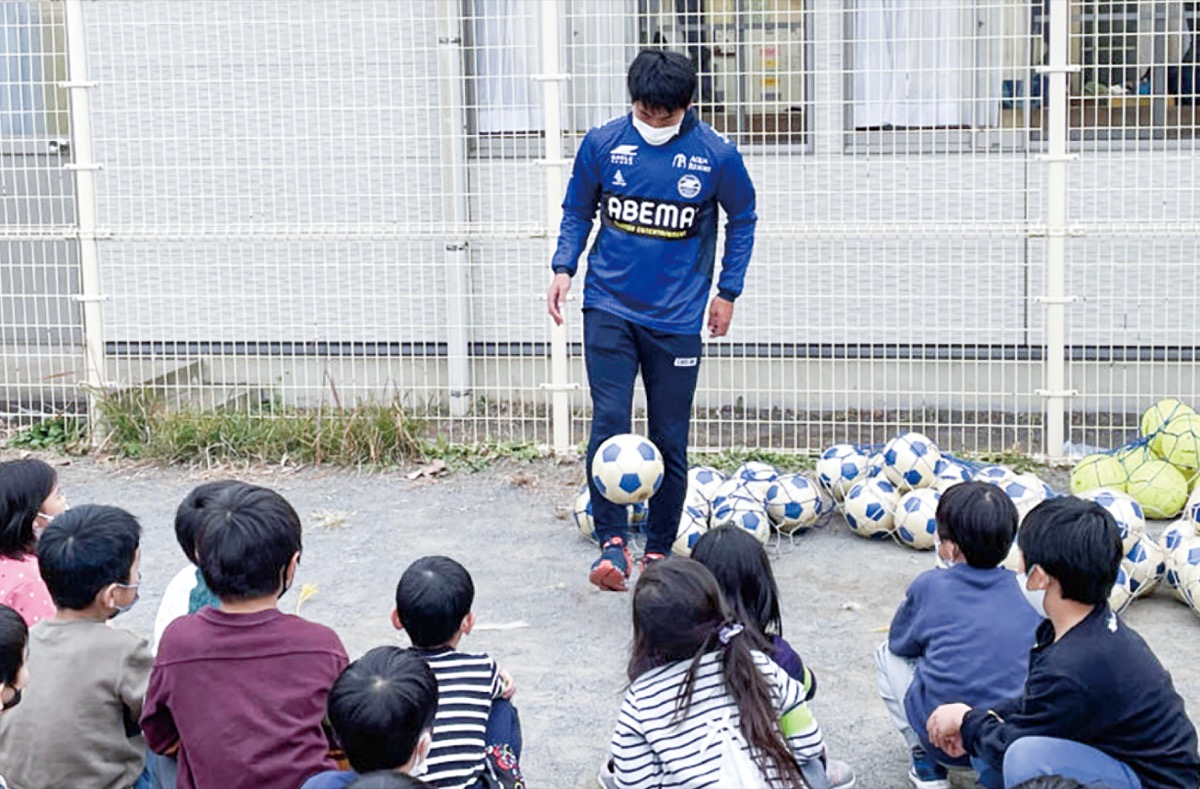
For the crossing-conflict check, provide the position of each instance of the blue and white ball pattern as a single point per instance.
(627, 468)
(995, 475)
(870, 508)
(581, 514)
(793, 503)
(1175, 542)
(910, 461)
(839, 467)
(693, 523)
(916, 519)
(1027, 491)
(1145, 565)
(756, 476)
(703, 481)
(749, 515)
(1131, 522)
(949, 472)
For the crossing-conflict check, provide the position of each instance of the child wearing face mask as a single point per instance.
(962, 633)
(77, 721)
(244, 661)
(30, 499)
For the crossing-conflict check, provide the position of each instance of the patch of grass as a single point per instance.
(1017, 461)
(63, 433)
(138, 424)
(480, 456)
(729, 459)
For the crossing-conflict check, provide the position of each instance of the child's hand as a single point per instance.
(944, 728)
(507, 686)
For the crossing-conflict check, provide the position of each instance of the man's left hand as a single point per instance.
(720, 313)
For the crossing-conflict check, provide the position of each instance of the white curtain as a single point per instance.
(506, 56)
(925, 64)
(22, 97)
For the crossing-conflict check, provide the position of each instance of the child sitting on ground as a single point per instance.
(476, 727)
(381, 709)
(962, 633)
(1097, 705)
(77, 722)
(187, 593)
(30, 499)
(695, 683)
(14, 638)
(245, 661)
(743, 570)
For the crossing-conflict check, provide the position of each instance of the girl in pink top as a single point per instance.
(29, 499)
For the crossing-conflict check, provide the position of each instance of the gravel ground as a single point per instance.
(565, 643)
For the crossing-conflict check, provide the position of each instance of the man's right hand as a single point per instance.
(556, 297)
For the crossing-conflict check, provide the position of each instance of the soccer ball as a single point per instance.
(702, 482)
(1121, 594)
(1178, 441)
(1098, 471)
(627, 468)
(757, 477)
(793, 503)
(916, 519)
(949, 472)
(839, 467)
(692, 525)
(875, 464)
(870, 508)
(1132, 457)
(734, 488)
(910, 461)
(995, 475)
(749, 515)
(1160, 413)
(1159, 488)
(1191, 510)
(1131, 522)
(1145, 566)
(1026, 491)
(581, 514)
(1186, 562)
(1176, 538)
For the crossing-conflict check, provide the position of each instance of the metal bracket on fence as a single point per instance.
(550, 77)
(1058, 299)
(1051, 157)
(553, 162)
(449, 40)
(1047, 393)
(1070, 68)
(461, 246)
(1041, 231)
(559, 387)
(93, 167)
(68, 84)
(82, 299)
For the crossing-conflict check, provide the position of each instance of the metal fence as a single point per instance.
(977, 217)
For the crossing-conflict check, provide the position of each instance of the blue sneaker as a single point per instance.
(925, 772)
(612, 568)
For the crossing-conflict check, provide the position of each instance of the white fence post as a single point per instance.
(84, 166)
(551, 79)
(455, 204)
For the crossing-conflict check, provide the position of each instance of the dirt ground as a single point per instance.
(565, 643)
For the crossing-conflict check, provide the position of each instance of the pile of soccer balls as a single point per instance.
(892, 491)
(757, 497)
(1158, 470)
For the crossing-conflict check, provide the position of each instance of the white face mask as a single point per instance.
(1035, 597)
(942, 564)
(655, 135)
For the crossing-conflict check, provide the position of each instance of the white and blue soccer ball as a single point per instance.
(910, 461)
(1026, 491)
(581, 514)
(692, 525)
(995, 475)
(916, 518)
(1176, 542)
(1131, 522)
(1145, 565)
(627, 468)
(839, 467)
(1191, 510)
(1121, 594)
(875, 464)
(735, 488)
(949, 472)
(756, 476)
(703, 481)
(749, 515)
(794, 503)
(870, 508)
(1186, 564)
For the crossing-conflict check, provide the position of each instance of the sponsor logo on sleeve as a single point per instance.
(680, 161)
(689, 186)
(699, 164)
(623, 155)
(669, 220)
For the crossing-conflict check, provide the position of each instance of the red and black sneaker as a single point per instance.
(648, 559)
(612, 568)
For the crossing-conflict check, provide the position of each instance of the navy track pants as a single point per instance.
(614, 350)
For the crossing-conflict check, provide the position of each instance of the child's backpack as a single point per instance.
(737, 767)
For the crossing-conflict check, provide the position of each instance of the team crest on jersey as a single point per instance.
(670, 220)
(623, 154)
(689, 186)
(679, 162)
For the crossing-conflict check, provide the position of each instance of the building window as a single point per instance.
(32, 63)
(752, 59)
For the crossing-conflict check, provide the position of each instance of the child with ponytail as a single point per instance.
(693, 673)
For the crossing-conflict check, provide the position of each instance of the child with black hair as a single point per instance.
(14, 639)
(962, 633)
(245, 661)
(381, 709)
(476, 728)
(77, 722)
(742, 568)
(1097, 705)
(30, 498)
(187, 592)
(693, 676)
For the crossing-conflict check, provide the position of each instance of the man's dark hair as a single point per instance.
(661, 80)
(190, 513)
(14, 636)
(245, 541)
(24, 486)
(433, 596)
(981, 520)
(86, 549)
(1077, 543)
(380, 705)
(386, 780)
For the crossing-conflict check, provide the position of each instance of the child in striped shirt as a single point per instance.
(476, 728)
(691, 671)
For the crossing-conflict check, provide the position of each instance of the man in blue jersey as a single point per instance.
(657, 177)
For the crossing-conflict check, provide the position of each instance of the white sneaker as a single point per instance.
(606, 778)
(839, 774)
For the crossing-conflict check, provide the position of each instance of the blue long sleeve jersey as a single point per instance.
(652, 260)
